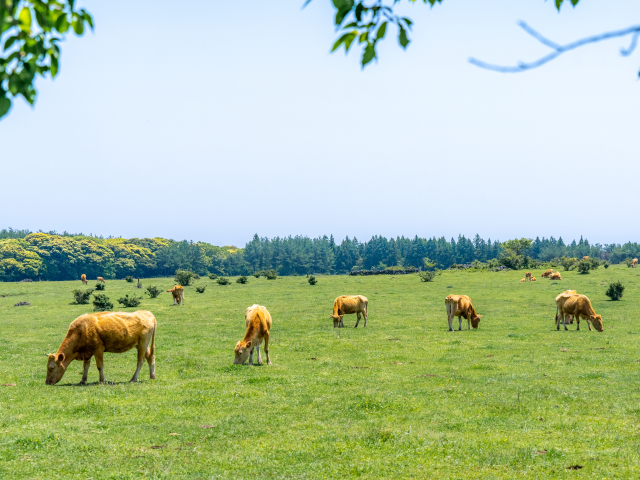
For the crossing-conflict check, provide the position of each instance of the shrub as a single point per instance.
(628, 261)
(223, 281)
(257, 274)
(200, 289)
(185, 277)
(606, 264)
(213, 276)
(100, 286)
(615, 290)
(242, 280)
(584, 266)
(312, 280)
(595, 263)
(129, 278)
(130, 301)
(139, 285)
(568, 263)
(271, 274)
(82, 297)
(153, 291)
(427, 276)
(101, 302)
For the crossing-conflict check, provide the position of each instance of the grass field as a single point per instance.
(401, 398)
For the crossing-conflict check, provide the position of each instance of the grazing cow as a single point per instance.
(560, 300)
(634, 262)
(348, 304)
(580, 306)
(461, 306)
(522, 280)
(101, 280)
(528, 276)
(93, 334)
(83, 277)
(547, 273)
(533, 279)
(178, 294)
(258, 321)
(556, 276)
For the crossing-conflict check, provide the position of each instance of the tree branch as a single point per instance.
(560, 49)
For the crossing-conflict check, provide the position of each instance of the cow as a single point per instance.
(461, 306)
(634, 262)
(346, 305)
(547, 273)
(178, 294)
(560, 299)
(101, 280)
(522, 280)
(586, 258)
(580, 306)
(83, 277)
(533, 279)
(528, 276)
(556, 276)
(93, 334)
(258, 321)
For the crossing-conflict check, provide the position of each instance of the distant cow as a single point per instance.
(547, 273)
(83, 277)
(586, 258)
(533, 279)
(461, 306)
(580, 306)
(560, 300)
(346, 305)
(93, 334)
(556, 276)
(522, 280)
(178, 294)
(101, 280)
(258, 321)
(528, 276)
(634, 262)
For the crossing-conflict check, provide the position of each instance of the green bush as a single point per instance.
(312, 280)
(100, 286)
(185, 277)
(427, 276)
(223, 281)
(584, 266)
(595, 263)
(213, 276)
(82, 296)
(606, 264)
(628, 261)
(271, 274)
(130, 301)
(129, 278)
(153, 291)
(615, 291)
(568, 263)
(101, 302)
(200, 289)
(242, 280)
(258, 274)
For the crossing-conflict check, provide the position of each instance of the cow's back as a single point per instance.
(121, 331)
(578, 304)
(350, 303)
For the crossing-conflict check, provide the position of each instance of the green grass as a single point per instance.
(402, 398)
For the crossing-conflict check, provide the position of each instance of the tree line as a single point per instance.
(66, 256)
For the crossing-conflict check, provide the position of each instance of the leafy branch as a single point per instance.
(29, 34)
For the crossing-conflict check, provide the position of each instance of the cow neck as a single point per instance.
(67, 347)
(252, 332)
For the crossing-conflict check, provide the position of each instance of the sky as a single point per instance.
(222, 119)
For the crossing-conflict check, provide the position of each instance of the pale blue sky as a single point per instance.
(225, 118)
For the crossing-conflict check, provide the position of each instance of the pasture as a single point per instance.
(401, 398)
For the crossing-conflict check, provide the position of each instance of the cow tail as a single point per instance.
(152, 346)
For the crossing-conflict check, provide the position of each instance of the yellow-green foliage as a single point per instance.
(16, 262)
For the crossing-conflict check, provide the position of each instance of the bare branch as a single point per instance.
(560, 49)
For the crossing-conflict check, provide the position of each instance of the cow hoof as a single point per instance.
(152, 377)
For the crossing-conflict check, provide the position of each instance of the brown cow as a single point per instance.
(560, 300)
(522, 280)
(528, 276)
(96, 333)
(258, 321)
(580, 306)
(83, 277)
(547, 273)
(634, 262)
(348, 304)
(533, 279)
(101, 280)
(461, 306)
(556, 276)
(178, 294)
(586, 258)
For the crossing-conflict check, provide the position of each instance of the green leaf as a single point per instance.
(559, 4)
(339, 42)
(368, 54)
(25, 19)
(78, 26)
(5, 105)
(381, 31)
(364, 37)
(62, 24)
(402, 37)
(349, 40)
(10, 41)
(89, 19)
(54, 66)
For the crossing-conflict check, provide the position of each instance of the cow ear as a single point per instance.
(50, 355)
(248, 345)
(60, 357)
(479, 316)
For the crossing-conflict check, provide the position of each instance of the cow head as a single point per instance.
(475, 320)
(242, 352)
(596, 321)
(55, 368)
(336, 320)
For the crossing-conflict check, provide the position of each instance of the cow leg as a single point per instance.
(357, 321)
(459, 324)
(266, 347)
(85, 374)
(182, 298)
(142, 353)
(564, 321)
(100, 364)
(251, 356)
(450, 320)
(365, 316)
(468, 324)
(150, 355)
(588, 323)
(341, 322)
(259, 357)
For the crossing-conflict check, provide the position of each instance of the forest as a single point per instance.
(65, 256)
